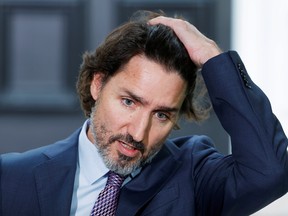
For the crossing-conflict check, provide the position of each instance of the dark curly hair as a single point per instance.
(158, 43)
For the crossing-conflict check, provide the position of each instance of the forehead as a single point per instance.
(151, 80)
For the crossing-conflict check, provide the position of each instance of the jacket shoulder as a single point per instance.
(195, 142)
(26, 160)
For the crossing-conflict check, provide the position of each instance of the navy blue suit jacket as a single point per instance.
(187, 177)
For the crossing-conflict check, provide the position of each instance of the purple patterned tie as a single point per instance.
(106, 203)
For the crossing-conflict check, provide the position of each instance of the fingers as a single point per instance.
(199, 47)
(161, 20)
(179, 26)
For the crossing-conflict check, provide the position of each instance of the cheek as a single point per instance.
(158, 136)
(113, 116)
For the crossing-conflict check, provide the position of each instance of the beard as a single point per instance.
(121, 164)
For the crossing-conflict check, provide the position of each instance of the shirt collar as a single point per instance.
(90, 161)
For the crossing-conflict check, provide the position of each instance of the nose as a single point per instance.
(139, 127)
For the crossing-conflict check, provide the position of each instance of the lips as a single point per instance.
(128, 149)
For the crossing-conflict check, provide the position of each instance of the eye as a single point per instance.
(127, 102)
(162, 116)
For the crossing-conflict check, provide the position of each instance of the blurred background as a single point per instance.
(42, 42)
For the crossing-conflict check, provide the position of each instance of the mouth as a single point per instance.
(128, 149)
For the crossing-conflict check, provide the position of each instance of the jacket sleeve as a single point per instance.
(257, 171)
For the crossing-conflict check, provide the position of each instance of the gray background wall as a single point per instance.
(41, 44)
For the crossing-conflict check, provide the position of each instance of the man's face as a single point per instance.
(134, 113)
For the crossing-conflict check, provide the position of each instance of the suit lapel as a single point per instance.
(149, 182)
(55, 177)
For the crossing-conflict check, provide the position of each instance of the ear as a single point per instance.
(96, 85)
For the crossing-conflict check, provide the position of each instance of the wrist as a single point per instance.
(211, 51)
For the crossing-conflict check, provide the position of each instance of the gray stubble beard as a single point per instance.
(123, 164)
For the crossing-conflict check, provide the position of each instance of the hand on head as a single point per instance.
(199, 47)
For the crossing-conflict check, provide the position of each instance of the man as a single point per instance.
(133, 90)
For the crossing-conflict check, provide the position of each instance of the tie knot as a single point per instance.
(115, 179)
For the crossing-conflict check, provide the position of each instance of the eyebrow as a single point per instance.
(136, 97)
(167, 109)
(141, 100)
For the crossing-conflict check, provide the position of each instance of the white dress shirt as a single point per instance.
(90, 177)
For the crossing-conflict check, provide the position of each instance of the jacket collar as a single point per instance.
(55, 177)
(136, 193)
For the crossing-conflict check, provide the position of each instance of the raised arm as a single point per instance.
(257, 171)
